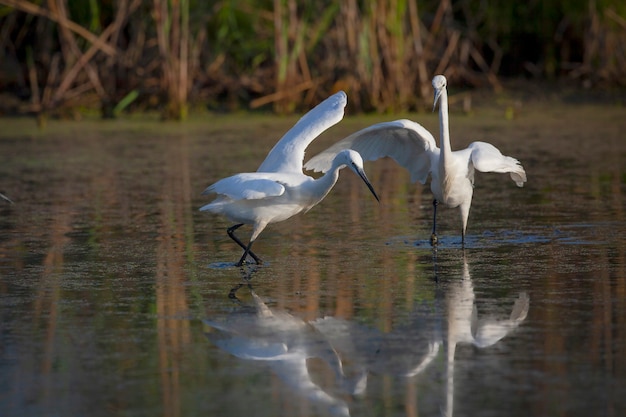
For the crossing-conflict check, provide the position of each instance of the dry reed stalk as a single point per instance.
(83, 62)
(288, 41)
(172, 25)
(36, 10)
(74, 52)
(282, 95)
(447, 54)
(46, 97)
(423, 79)
(604, 56)
(482, 64)
(183, 80)
(32, 77)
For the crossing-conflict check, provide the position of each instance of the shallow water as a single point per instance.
(117, 297)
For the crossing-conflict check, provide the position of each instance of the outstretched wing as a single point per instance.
(406, 142)
(487, 158)
(287, 155)
(247, 186)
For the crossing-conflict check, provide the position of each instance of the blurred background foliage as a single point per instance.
(57, 56)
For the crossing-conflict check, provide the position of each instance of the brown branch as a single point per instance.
(71, 75)
(482, 64)
(445, 59)
(34, 9)
(279, 95)
(418, 47)
(92, 73)
(52, 75)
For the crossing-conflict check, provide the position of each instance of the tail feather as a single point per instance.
(518, 175)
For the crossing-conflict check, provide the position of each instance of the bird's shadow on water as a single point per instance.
(450, 242)
(580, 234)
(571, 234)
(232, 265)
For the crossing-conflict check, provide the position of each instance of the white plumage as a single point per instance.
(279, 189)
(414, 148)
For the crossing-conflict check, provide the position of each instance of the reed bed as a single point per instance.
(60, 55)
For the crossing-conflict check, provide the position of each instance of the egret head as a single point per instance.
(353, 160)
(439, 84)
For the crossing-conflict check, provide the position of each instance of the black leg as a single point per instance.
(245, 255)
(231, 233)
(433, 237)
(247, 251)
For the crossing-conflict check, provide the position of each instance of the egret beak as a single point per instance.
(367, 182)
(438, 92)
(4, 197)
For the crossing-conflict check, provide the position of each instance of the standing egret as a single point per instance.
(279, 189)
(414, 148)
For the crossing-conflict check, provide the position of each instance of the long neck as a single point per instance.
(444, 129)
(325, 183)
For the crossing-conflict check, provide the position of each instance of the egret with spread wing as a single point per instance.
(279, 189)
(414, 148)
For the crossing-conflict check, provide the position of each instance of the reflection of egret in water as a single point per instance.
(356, 352)
(409, 349)
(404, 352)
(285, 343)
(464, 326)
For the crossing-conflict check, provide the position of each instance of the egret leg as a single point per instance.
(433, 237)
(247, 251)
(245, 255)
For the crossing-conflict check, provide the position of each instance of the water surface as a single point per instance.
(117, 297)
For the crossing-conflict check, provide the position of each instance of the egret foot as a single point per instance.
(243, 260)
(433, 237)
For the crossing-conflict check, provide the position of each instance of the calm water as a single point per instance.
(117, 298)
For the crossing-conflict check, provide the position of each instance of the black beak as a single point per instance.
(368, 183)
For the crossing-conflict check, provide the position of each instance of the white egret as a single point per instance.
(414, 148)
(279, 189)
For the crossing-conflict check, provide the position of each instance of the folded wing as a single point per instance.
(248, 186)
